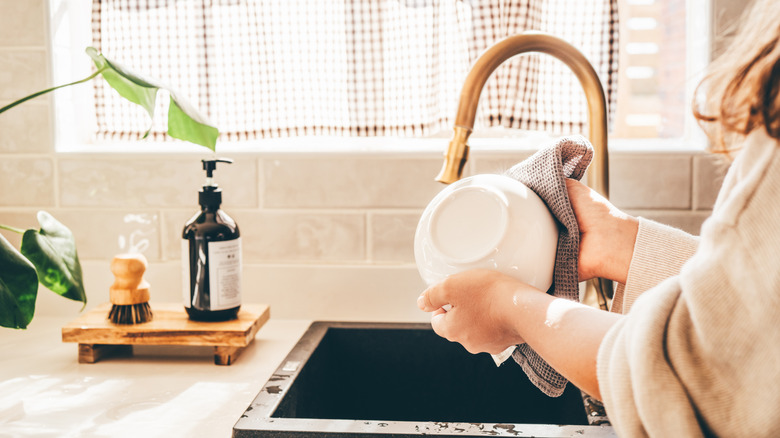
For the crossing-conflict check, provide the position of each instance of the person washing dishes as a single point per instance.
(692, 345)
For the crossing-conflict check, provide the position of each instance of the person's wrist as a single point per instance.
(515, 312)
(623, 238)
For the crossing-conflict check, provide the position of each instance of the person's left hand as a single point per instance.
(484, 313)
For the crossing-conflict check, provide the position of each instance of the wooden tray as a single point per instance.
(98, 337)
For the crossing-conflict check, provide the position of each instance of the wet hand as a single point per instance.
(481, 309)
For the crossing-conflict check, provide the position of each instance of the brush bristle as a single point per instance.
(130, 314)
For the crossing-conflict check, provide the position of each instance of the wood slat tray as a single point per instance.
(98, 337)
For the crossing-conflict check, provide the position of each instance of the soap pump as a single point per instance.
(211, 256)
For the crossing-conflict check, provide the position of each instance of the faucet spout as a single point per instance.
(489, 61)
(598, 171)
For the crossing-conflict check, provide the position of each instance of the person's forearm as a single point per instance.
(565, 333)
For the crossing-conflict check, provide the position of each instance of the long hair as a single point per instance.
(740, 92)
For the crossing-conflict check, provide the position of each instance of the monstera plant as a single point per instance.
(48, 255)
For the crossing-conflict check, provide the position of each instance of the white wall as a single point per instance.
(326, 236)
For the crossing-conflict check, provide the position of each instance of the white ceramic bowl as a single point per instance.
(491, 222)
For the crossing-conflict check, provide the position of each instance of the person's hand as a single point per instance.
(607, 235)
(482, 317)
(492, 311)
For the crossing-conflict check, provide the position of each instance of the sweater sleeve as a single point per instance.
(697, 354)
(659, 253)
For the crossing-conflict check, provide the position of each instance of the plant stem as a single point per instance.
(15, 230)
(34, 95)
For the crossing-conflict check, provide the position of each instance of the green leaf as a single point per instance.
(18, 287)
(129, 85)
(52, 250)
(186, 124)
(184, 121)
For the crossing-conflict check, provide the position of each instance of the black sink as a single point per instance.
(397, 379)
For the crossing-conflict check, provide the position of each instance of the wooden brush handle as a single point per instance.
(129, 285)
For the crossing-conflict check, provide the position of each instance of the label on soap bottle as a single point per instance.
(225, 274)
(223, 259)
(186, 280)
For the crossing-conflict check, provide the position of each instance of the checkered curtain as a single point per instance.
(277, 68)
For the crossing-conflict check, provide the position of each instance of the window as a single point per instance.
(658, 69)
(654, 86)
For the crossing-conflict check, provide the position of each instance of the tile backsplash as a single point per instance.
(149, 182)
(326, 235)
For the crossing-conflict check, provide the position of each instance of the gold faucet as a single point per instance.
(598, 172)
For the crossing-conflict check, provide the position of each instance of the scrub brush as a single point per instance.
(130, 292)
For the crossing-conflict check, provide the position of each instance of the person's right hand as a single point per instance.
(607, 235)
(482, 314)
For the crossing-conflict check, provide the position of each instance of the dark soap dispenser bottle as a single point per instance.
(211, 256)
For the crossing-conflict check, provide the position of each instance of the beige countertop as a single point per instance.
(159, 392)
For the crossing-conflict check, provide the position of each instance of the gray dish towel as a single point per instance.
(545, 173)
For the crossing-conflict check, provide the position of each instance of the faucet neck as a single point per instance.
(455, 157)
(540, 42)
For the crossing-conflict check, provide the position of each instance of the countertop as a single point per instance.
(158, 392)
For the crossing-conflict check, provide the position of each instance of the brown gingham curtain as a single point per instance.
(277, 68)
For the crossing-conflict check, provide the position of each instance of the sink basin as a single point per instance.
(352, 379)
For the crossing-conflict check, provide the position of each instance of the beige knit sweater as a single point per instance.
(698, 353)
